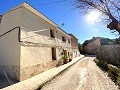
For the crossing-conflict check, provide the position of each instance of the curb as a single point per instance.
(58, 74)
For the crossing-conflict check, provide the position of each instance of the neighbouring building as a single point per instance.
(30, 43)
(74, 45)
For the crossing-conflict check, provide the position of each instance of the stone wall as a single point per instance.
(29, 72)
(92, 47)
(109, 53)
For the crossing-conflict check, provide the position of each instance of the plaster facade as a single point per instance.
(74, 45)
(26, 50)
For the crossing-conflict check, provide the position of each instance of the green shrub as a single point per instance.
(103, 65)
(62, 61)
(113, 72)
(112, 75)
(118, 79)
(115, 63)
(65, 58)
(113, 69)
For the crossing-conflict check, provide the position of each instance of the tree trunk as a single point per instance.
(114, 25)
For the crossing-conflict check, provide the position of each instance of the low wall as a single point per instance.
(110, 53)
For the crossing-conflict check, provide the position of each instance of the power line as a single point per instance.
(52, 2)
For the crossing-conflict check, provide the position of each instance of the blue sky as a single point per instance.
(64, 12)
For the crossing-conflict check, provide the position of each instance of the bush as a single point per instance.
(113, 73)
(102, 64)
(118, 79)
(115, 63)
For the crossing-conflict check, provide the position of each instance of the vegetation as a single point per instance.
(117, 41)
(118, 79)
(102, 64)
(103, 41)
(80, 48)
(113, 71)
(110, 10)
(89, 41)
(65, 59)
(62, 61)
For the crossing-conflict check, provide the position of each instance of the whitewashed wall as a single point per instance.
(9, 45)
(21, 60)
(33, 57)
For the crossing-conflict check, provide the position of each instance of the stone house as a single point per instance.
(74, 45)
(30, 43)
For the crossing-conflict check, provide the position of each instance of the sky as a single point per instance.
(64, 12)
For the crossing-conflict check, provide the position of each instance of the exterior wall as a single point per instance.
(37, 57)
(92, 47)
(0, 18)
(110, 53)
(74, 44)
(31, 56)
(9, 44)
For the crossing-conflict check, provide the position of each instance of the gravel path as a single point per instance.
(84, 75)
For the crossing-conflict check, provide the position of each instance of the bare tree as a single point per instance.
(109, 8)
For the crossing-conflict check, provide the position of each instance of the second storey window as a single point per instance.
(52, 33)
(63, 39)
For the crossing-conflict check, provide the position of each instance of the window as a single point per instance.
(52, 33)
(68, 40)
(63, 39)
(68, 54)
(53, 53)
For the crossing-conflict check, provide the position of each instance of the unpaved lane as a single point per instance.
(84, 75)
(96, 79)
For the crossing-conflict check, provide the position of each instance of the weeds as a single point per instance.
(113, 71)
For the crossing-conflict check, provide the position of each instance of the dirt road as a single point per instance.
(84, 75)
